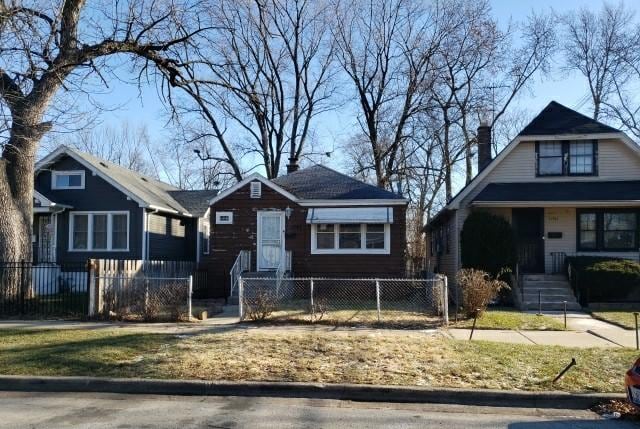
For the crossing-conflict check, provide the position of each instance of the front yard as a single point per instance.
(625, 319)
(410, 358)
(512, 320)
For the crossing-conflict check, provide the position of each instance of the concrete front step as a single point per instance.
(546, 284)
(543, 277)
(555, 298)
(547, 290)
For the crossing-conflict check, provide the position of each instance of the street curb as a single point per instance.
(351, 392)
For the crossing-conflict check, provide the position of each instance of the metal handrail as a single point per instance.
(242, 263)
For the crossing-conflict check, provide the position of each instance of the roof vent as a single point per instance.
(256, 190)
(103, 164)
(143, 179)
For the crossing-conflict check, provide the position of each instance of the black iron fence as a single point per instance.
(44, 290)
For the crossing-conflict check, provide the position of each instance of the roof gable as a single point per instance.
(558, 119)
(145, 190)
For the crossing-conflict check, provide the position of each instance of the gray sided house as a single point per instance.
(569, 185)
(86, 207)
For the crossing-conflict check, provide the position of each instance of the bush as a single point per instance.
(606, 279)
(478, 290)
(487, 243)
(260, 305)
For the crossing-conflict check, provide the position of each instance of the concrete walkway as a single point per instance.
(583, 331)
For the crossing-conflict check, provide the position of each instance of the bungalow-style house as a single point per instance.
(568, 184)
(86, 207)
(310, 222)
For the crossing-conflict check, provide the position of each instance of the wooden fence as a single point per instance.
(100, 269)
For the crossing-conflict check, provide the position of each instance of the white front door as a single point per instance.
(270, 239)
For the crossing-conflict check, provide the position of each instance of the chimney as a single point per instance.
(484, 145)
(293, 165)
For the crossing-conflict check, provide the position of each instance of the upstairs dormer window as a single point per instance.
(567, 158)
(67, 179)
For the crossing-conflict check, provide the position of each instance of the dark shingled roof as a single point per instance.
(196, 202)
(322, 183)
(559, 119)
(561, 191)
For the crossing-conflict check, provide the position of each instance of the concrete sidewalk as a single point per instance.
(583, 331)
(550, 338)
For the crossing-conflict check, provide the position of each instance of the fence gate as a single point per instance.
(44, 290)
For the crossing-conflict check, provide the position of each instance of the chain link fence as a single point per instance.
(148, 299)
(392, 303)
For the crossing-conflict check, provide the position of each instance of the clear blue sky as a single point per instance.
(334, 128)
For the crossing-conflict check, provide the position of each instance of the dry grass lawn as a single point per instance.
(329, 357)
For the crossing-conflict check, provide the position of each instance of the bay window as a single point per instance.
(99, 231)
(607, 230)
(350, 238)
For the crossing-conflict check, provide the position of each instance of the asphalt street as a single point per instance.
(104, 410)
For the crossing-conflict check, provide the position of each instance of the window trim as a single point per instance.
(219, 221)
(363, 242)
(566, 161)
(89, 215)
(56, 173)
(600, 230)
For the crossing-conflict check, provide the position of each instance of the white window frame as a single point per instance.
(56, 173)
(90, 214)
(255, 190)
(363, 242)
(219, 220)
(206, 236)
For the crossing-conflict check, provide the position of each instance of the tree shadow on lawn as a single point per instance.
(60, 354)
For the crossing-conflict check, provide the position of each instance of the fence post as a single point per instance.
(189, 297)
(378, 298)
(445, 300)
(91, 293)
(22, 287)
(313, 309)
(240, 298)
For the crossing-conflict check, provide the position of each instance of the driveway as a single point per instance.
(94, 410)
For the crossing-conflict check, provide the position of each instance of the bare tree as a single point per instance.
(265, 74)
(125, 145)
(386, 50)
(597, 44)
(53, 48)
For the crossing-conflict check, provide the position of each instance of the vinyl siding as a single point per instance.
(171, 237)
(98, 195)
(616, 161)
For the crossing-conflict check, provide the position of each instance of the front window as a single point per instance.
(325, 237)
(619, 231)
(606, 230)
(581, 157)
(550, 159)
(67, 179)
(588, 231)
(350, 238)
(566, 158)
(100, 231)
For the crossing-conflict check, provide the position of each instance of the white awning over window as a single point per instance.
(351, 215)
